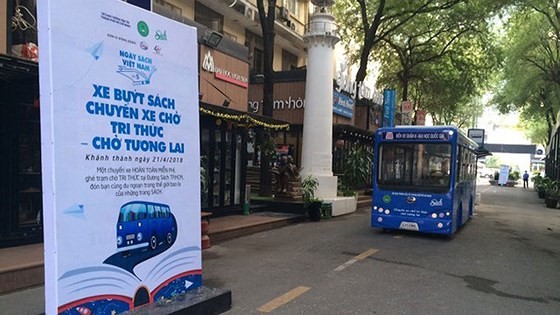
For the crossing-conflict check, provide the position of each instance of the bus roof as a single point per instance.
(144, 202)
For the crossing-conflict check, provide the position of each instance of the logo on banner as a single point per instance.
(160, 35)
(143, 28)
(139, 69)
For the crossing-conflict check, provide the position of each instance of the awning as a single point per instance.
(482, 152)
(243, 118)
(350, 131)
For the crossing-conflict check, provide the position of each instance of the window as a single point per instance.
(170, 7)
(289, 61)
(151, 212)
(258, 61)
(132, 212)
(293, 6)
(424, 166)
(208, 17)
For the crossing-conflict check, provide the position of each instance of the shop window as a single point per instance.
(22, 37)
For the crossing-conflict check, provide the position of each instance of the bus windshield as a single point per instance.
(414, 166)
(132, 212)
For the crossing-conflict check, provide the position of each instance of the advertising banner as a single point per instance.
(343, 104)
(406, 111)
(504, 174)
(120, 155)
(420, 117)
(389, 96)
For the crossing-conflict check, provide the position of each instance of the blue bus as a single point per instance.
(424, 179)
(145, 224)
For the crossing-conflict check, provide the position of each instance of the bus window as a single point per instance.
(132, 212)
(158, 211)
(151, 212)
(414, 166)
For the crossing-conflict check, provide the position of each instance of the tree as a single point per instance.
(375, 21)
(530, 78)
(267, 18)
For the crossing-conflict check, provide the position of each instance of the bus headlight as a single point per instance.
(441, 215)
(119, 240)
(434, 215)
(374, 207)
(120, 227)
(447, 213)
(387, 211)
(380, 210)
(440, 225)
(380, 219)
(139, 236)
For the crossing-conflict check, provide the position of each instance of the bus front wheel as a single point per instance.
(169, 238)
(153, 242)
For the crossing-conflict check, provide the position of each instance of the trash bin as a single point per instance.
(326, 210)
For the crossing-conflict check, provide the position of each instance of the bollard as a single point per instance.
(247, 204)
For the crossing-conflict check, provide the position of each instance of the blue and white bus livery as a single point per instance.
(145, 224)
(424, 179)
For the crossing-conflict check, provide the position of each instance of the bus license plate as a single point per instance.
(412, 226)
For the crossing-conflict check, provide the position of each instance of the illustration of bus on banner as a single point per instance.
(144, 224)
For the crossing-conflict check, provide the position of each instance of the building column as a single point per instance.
(321, 37)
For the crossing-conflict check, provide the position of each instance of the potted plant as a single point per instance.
(355, 171)
(552, 193)
(311, 204)
(538, 185)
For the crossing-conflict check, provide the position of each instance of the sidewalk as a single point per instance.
(23, 265)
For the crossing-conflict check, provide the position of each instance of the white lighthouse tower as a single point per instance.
(321, 38)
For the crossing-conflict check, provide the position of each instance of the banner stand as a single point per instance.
(201, 300)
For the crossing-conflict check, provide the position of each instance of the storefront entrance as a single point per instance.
(222, 161)
(20, 161)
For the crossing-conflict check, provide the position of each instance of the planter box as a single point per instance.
(551, 202)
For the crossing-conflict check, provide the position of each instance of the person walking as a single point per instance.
(525, 180)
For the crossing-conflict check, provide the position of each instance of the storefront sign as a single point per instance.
(345, 83)
(420, 117)
(477, 135)
(406, 111)
(120, 138)
(389, 96)
(289, 103)
(343, 105)
(209, 65)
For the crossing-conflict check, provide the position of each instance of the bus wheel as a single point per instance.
(153, 242)
(169, 238)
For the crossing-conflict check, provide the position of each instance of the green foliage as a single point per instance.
(493, 162)
(356, 170)
(442, 62)
(308, 187)
(267, 145)
(531, 75)
(514, 175)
